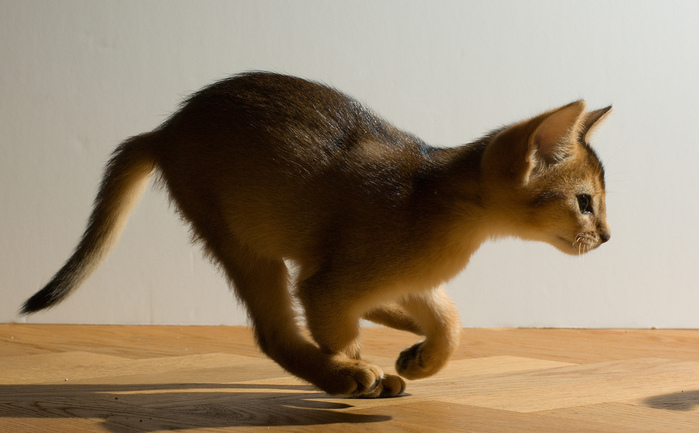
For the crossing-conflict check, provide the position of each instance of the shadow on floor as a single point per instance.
(179, 406)
(680, 401)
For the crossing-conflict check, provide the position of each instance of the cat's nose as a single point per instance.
(605, 236)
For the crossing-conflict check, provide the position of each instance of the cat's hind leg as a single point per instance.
(437, 317)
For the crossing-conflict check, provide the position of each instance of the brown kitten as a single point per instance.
(268, 168)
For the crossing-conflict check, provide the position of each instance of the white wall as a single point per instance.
(77, 77)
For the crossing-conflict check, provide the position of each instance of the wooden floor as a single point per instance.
(153, 378)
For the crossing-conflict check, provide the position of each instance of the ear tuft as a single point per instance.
(592, 120)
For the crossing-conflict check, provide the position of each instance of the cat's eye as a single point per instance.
(585, 203)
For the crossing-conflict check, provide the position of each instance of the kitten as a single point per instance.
(268, 168)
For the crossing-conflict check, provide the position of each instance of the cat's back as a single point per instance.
(286, 136)
(269, 108)
(264, 100)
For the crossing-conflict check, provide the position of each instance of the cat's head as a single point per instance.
(547, 183)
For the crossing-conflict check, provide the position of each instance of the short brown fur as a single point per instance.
(270, 169)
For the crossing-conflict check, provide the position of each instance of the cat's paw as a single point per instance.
(390, 386)
(360, 379)
(416, 362)
(352, 378)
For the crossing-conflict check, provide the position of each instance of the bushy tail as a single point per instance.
(125, 179)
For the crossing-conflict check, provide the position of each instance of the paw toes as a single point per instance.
(364, 390)
(390, 386)
(362, 379)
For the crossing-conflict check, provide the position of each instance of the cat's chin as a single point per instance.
(574, 249)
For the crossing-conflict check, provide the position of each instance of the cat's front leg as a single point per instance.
(333, 320)
(393, 316)
(438, 318)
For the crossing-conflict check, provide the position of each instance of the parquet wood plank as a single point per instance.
(582, 385)
(581, 345)
(47, 425)
(77, 366)
(127, 341)
(54, 367)
(632, 415)
(463, 368)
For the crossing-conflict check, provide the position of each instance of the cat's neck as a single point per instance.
(456, 188)
(455, 212)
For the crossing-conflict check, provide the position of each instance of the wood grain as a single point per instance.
(63, 378)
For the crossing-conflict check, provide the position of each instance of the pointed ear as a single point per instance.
(518, 150)
(551, 140)
(592, 120)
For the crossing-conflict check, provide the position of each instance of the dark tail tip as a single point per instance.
(41, 300)
(33, 304)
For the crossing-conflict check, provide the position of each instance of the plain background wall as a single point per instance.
(77, 77)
